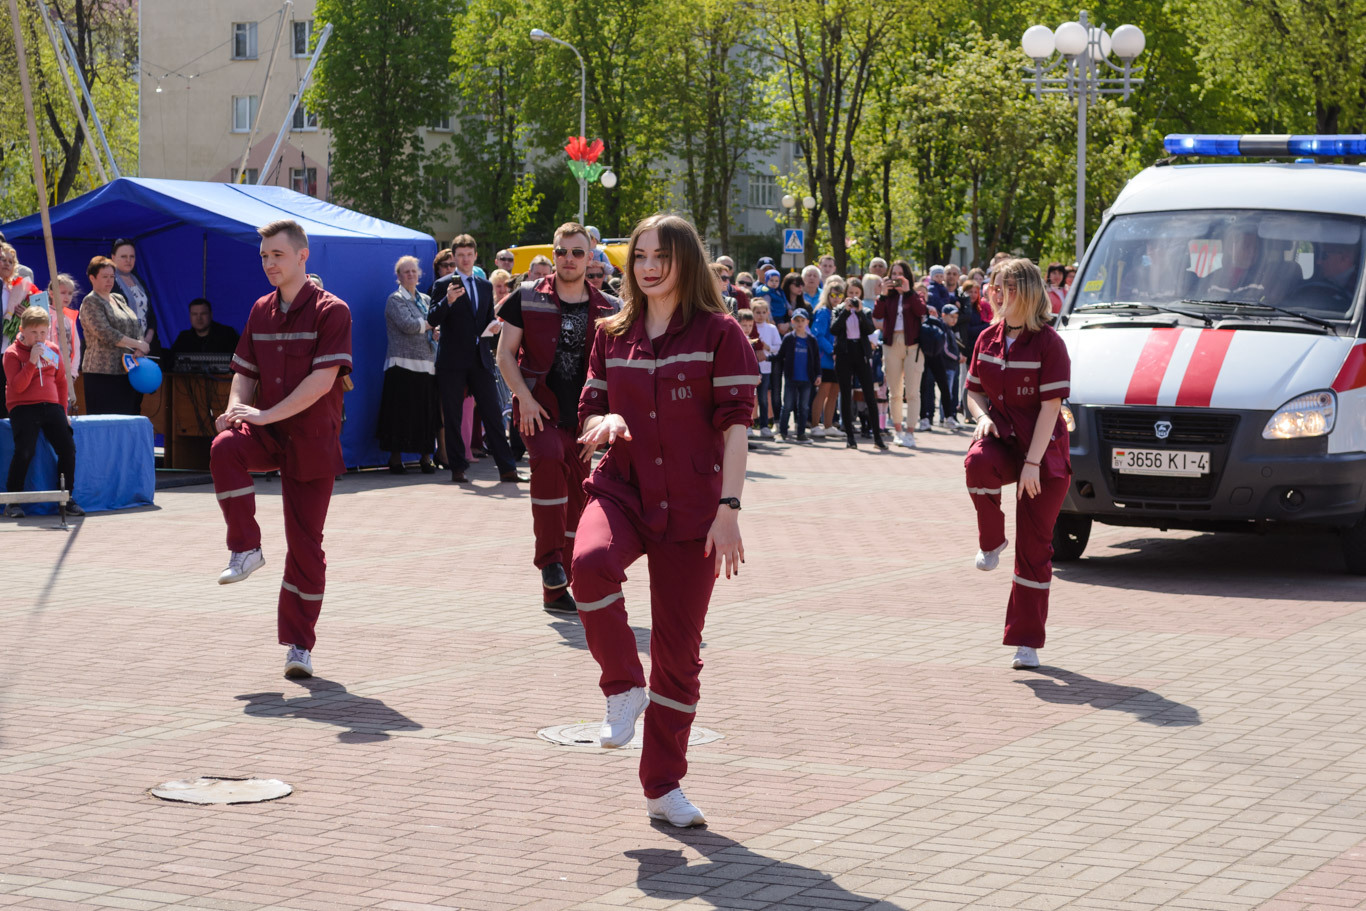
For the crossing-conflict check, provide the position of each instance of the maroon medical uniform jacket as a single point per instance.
(1016, 383)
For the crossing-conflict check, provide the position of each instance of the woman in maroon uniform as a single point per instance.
(671, 390)
(1017, 379)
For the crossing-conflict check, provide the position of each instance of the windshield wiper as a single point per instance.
(1141, 306)
(1266, 308)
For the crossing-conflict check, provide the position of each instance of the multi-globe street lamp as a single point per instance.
(1075, 61)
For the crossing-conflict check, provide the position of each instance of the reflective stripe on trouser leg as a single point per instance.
(607, 543)
(233, 455)
(1027, 610)
(301, 593)
(681, 581)
(990, 465)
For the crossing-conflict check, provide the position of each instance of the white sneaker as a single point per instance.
(923, 426)
(675, 809)
(952, 423)
(241, 564)
(298, 664)
(619, 724)
(987, 560)
(905, 438)
(753, 432)
(818, 432)
(766, 433)
(1025, 657)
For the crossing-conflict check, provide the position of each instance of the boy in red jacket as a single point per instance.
(35, 394)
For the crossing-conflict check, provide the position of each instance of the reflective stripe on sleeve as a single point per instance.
(303, 595)
(972, 379)
(1042, 586)
(332, 359)
(239, 492)
(1048, 387)
(670, 703)
(557, 501)
(735, 381)
(605, 602)
(245, 365)
(282, 336)
(596, 384)
(569, 534)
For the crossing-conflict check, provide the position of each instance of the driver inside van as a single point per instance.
(1246, 272)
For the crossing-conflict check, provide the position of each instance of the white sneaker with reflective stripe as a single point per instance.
(241, 564)
(987, 560)
(675, 809)
(298, 664)
(1025, 657)
(619, 724)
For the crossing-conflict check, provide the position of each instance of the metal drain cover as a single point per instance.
(211, 789)
(585, 734)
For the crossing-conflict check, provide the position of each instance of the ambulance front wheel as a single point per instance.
(1070, 534)
(1354, 547)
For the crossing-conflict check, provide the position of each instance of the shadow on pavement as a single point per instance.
(369, 720)
(1233, 565)
(1068, 688)
(735, 877)
(570, 629)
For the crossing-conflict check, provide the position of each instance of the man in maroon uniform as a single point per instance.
(294, 351)
(548, 327)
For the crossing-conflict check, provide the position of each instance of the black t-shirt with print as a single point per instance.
(570, 370)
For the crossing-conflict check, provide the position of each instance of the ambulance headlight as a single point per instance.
(1068, 419)
(1310, 415)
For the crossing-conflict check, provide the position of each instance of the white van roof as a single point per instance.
(1339, 189)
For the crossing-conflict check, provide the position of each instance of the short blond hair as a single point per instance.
(407, 261)
(34, 316)
(291, 229)
(1031, 300)
(499, 275)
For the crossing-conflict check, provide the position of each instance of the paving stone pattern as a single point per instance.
(1196, 739)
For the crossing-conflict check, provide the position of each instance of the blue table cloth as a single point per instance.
(115, 465)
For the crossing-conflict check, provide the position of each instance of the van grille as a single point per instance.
(1126, 426)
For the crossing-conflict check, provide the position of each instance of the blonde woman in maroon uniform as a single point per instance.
(671, 388)
(1017, 380)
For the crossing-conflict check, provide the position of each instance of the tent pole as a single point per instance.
(85, 90)
(40, 183)
(270, 68)
(298, 99)
(71, 90)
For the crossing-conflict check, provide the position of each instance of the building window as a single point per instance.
(763, 191)
(244, 112)
(304, 180)
(253, 174)
(302, 33)
(304, 119)
(244, 41)
(441, 124)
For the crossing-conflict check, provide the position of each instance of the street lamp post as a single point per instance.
(542, 35)
(1075, 61)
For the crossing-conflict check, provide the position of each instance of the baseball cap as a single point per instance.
(949, 308)
(800, 313)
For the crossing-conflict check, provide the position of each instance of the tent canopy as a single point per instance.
(198, 239)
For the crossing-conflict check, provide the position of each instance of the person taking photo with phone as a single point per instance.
(898, 313)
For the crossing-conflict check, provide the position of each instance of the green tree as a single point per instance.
(383, 77)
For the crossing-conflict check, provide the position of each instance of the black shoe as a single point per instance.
(458, 477)
(74, 509)
(427, 466)
(851, 445)
(512, 477)
(14, 511)
(477, 453)
(801, 438)
(564, 604)
(397, 468)
(553, 576)
(880, 443)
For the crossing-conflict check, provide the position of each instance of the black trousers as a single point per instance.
(936, 374)
(111, 393)
(25, 421)
(853, 362)
(481, 384)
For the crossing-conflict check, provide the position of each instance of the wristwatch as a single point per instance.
(732, 502)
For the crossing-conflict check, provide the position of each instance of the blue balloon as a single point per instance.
(143, 374)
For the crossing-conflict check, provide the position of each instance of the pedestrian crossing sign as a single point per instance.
(794, 240)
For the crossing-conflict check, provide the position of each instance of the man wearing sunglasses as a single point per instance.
(595, 276)
(543, 354)
(462, 308)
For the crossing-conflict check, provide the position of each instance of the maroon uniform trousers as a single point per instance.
(991, 464)
(557, 497)
(681, 580)
(234, 455)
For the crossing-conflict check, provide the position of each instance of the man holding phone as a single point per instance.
(898, 313)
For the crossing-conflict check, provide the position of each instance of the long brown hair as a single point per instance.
(695, 286)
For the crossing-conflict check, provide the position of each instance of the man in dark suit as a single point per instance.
(462, 308)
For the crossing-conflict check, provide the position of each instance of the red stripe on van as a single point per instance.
(1197, 386)
(1152, 365)
(1353, 372)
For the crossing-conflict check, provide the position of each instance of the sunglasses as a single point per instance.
(577, 252)
(503, 259)
(837, 295)
(746, 284)
(596, 275)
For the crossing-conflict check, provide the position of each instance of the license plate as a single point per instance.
(1178, 463)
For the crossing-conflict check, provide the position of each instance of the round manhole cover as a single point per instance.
(585, 734)
(210, 790)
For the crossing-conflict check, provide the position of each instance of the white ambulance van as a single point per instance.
(1216, 336)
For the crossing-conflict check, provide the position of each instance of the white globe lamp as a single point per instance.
(1038, 42)
(1070, 39)
(1128, 41)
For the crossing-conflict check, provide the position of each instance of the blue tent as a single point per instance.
(199, 240)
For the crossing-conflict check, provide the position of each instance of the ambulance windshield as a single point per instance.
(1306, 262)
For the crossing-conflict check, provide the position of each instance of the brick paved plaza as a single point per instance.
(1195, 740)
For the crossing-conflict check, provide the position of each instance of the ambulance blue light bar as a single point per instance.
(1266, 146)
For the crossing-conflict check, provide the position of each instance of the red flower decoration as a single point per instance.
(579, 149)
